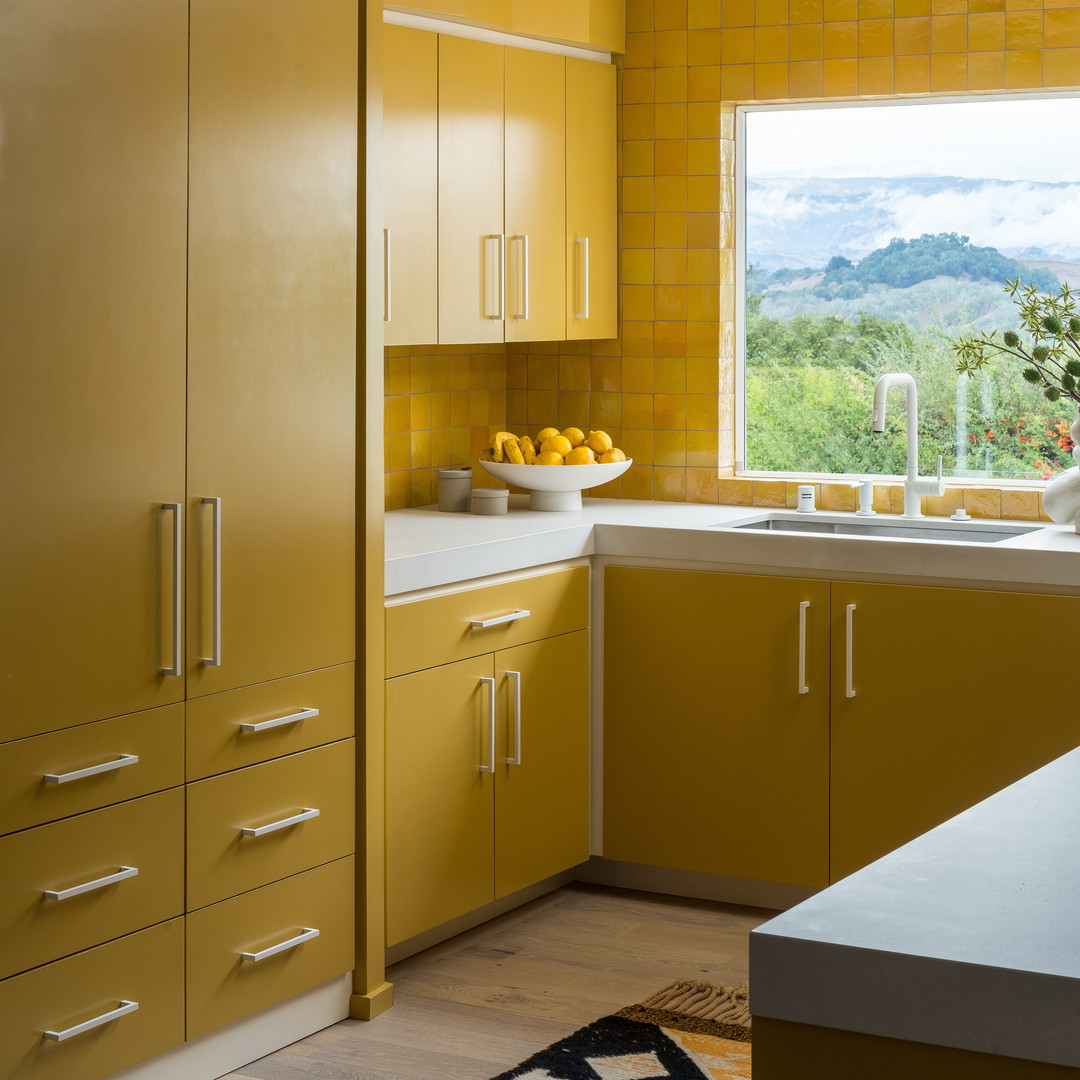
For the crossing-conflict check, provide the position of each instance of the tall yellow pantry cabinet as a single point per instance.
(177, 265)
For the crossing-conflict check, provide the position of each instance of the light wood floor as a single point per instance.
(480, 1003)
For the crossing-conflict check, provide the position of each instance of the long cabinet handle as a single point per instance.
(308, 933)
(177, 511)
(522, 311)
(495, 276)
(280, 721)
(306, 814)
(388, 266)
(804, 606)
(92, 770)
(582, 243)
(849, 620)
(515, 677)
(124, 1008)
(498, 620)
(122, 874)
(214, 659)
(490, 766)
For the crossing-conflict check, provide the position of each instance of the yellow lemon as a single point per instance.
(546, 434)
(556, 444)
(581, 455)
(610, 457)
(548, 458)
(599, 442)
(575, 435)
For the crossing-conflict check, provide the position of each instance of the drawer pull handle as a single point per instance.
(93, 770)
(305, 815)
(849, 662)
(803, 606)
(122, 874)
(498, 620)
(307, 935)
(515, 758)
(89, 1025)
(281, 721)
(490, 766)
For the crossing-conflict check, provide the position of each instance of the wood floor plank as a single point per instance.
(476, 1005)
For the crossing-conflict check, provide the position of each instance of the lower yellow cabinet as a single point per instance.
(267, 945)
(487, 779)
(97, 1012)
(90, 878)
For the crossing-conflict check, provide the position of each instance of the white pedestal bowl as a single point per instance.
(555, 487)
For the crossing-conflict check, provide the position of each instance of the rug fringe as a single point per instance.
(721, 1004)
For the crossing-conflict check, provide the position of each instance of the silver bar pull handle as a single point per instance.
(122, 874)
(177, 510)
(280, 721)
(803, 607)
(214, 659)
(89, 1025)
(306, 814)
(388, 266)
(522, 311)
(495, 276)
(93, 770)
(848, 651)
(515, 759)
(498, 620)
(490, 766)
(308, 934)
(583, 281)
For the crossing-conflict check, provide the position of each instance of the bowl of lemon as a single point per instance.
(556, 466)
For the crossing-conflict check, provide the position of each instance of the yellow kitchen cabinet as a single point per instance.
(91, 357)
(472, 253)
(486, 757)
(535, 195)
(555, 20)
(591, 230)
(947, 707)
(410, 185)
(607, 25)
(271, 339)
(716, 723)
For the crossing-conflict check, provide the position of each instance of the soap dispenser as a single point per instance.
(866, 498)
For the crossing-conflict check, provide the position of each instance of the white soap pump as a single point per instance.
(866, 498)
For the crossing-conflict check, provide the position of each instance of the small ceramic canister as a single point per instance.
(455, 486)
(489, 501)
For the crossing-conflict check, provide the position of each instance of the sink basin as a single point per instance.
(885, 527)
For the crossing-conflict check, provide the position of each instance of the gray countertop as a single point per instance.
(967, 937)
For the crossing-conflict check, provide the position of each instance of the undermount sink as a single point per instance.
(882, 528)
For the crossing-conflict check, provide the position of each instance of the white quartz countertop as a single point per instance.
(426, 549)
(967, 937)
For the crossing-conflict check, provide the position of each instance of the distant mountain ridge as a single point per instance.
(803, 222)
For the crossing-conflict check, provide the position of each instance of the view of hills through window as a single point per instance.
(874, 237)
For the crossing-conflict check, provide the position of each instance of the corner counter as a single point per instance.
(966, 939)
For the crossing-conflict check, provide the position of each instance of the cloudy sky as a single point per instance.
(1005, 142)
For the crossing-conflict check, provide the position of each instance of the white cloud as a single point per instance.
(775, 203)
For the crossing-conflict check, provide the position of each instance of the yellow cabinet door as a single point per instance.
(272, 339)
(472, 251)
(410, 185)
(542, 758)
(535, 195)
(92, 215)
(591, 215)
(716, 723)
(943, 709)
(440, 835)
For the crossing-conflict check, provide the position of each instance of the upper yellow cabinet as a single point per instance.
(594, 24)
(271, 341)
(500, 199)
(91, 357)
(410, 177)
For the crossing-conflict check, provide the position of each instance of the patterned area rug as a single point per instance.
(687, 1031)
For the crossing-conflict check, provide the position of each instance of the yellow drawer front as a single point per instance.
(243, 727)
(146, 969)
(66, 772)
(426, 633)
(90, 878)
(274, 802)
(224, 985)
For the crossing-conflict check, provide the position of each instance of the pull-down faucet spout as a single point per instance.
(914, 485)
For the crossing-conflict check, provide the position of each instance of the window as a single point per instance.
(874, 236)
